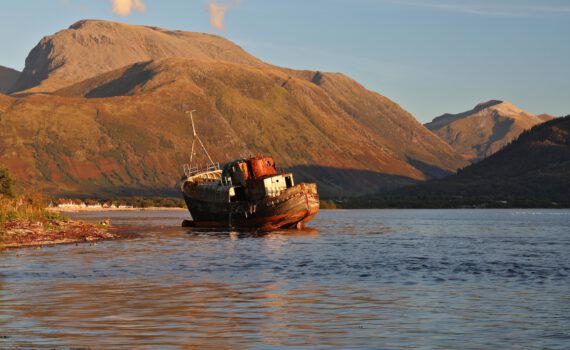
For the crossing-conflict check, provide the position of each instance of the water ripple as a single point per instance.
(393, 279)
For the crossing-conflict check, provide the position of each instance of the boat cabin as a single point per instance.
(255, 177)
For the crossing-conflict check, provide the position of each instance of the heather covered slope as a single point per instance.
(124, 131)
(8, 77)
(5, 101)
(121, 144)
(535, 167)
(485, 129)
(343, 110)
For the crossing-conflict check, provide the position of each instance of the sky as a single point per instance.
(429, 56)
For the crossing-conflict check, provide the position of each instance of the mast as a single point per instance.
(196, 137)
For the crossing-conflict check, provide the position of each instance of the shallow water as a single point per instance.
(367, 279)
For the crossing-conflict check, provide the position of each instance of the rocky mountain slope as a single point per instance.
(125, 130)
(535, 167)
(90, 47)
(8, 77)
(485, 129)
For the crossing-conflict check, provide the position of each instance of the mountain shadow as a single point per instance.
(532, 170)
(331, 181)
(125, 84)
(8, 78)
(430, 171)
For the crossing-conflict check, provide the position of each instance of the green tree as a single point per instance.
(6, 183)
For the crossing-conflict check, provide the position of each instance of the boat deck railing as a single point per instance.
(191, 171)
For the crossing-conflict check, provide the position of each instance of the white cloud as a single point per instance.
(125, 7)
(218, 12)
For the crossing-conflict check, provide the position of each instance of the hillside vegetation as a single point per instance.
(533, 170)
(112, 127)
(17, 207)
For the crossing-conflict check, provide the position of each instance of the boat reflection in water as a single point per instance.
(241, 234)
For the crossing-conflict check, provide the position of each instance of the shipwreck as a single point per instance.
(249, 193)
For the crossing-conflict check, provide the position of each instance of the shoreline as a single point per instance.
(76, 210)
(24, 234)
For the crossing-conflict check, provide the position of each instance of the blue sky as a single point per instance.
(430, 56)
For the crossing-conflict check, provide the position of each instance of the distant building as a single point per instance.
(75, 204)
(71, 204)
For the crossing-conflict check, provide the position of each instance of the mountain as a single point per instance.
(533, 168)
(8, 77)
(125, 130)
(485, 129)
(5, 101)
(91, 47)
(545, 117)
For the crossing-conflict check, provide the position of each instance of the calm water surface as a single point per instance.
(363, 279)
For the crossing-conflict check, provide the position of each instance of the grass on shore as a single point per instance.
(30, 208)
(25, 221)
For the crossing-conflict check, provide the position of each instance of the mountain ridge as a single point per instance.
(66, 57)
(483, 130)
(534, 167)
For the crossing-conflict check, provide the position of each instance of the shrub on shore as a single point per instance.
(28, 207)
(6, 183)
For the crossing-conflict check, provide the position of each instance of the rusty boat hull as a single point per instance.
(292, 208)
(249, 194)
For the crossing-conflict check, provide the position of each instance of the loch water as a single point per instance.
(358, 279)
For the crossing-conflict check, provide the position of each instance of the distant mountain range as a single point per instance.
(8, 78)
(100, 109)
(482, 131)
(535, 168)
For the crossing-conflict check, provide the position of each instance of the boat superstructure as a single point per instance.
(248, 193)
